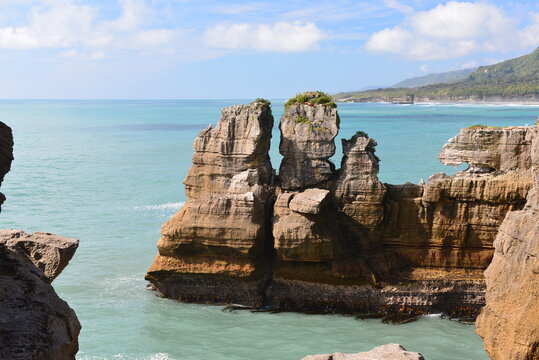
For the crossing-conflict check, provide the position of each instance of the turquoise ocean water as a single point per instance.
(110, 173)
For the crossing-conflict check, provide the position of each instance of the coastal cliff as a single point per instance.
(35, 323)
(215, 249)
(509, 323)
(317, 238)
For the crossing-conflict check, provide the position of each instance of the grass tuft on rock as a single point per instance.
(481, 126)
(311, 98)
(260, 103)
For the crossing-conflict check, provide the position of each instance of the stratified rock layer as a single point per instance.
(383, 352)
(307, 134)
(317, 239)
(214, 249)
(34, 322)
(509, 323)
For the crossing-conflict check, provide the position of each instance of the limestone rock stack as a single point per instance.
(359, 191)
(215, 248)
(319, 239)
(509, 323)
(307, 143)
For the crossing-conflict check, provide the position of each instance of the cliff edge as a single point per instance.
(509, 323)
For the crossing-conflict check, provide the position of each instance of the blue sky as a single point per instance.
(146, 49)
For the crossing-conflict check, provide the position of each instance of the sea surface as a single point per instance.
(110, 173)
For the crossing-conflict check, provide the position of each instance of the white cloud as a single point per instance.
(239, 9)
(395, 5)
(65, 24)
(452, 30)
(424, 68)
(529, 36)
(280, 37)
(72, 53)
(154, 37)
(470, 64)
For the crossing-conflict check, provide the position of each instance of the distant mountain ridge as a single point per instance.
(513, 80)
(434, 78)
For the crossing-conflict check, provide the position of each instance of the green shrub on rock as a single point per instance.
(311, 98)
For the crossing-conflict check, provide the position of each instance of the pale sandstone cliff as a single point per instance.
(340, 240)
(509, 323)
(35, 324)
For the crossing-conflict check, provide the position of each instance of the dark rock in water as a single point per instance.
(6, 154)
(384, 352)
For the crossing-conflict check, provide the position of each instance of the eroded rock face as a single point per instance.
(338, 240)
(6, 154)
(383, 352)
(509, 323)
(47, 251)
(214, 249)
(34, 322)
(488, 148)
(358, 190)
(307, 143)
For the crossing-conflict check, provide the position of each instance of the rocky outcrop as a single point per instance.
(215, 248)
(384, 352)
(509, 323)
(359, 193)
(486, 149)
(34, 322)
(307, 134)
(47, 251)
(6, 154)
(338, 240)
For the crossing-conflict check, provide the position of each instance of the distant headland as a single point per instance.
(511, 81)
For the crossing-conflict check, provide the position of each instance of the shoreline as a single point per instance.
(492, 103)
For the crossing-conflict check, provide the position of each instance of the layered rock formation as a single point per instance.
(215, 248)
(35, 324)
(509, 323)
(307, 134)
(339, 240)
(383, 352)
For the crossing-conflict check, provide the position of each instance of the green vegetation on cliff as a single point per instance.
(514, 79)
(311, 98)
(436, 78)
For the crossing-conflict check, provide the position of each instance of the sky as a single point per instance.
(200, 49)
